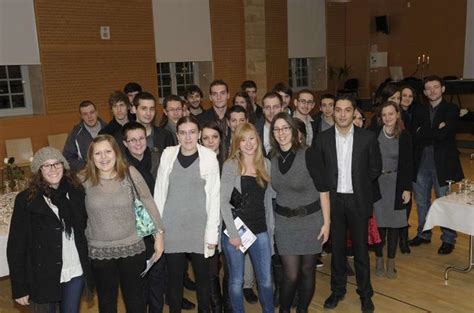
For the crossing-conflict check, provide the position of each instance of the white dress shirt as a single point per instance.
(344, 160)
(266, 138)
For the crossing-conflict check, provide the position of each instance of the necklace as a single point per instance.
(387, 135)
(283, 158)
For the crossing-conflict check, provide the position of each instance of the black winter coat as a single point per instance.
(34, 248)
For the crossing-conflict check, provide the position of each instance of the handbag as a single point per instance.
(143, 222)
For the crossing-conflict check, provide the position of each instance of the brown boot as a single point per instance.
(391, 271)
(379, 270)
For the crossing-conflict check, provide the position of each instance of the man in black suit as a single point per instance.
(350, 158)
(436, 157)
(272, 104)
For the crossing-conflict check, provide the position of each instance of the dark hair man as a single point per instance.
(172, 112)
(324, 119)
(436, 157)
(286, 94)
(132, 89)
(119, 105)
(144, 106)
(78, 141)
(219, 95)
(304, 104)
(250, 87)
(350, 158)
(193, 96)
(272, 105)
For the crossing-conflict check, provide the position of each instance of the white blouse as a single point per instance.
(71, 262)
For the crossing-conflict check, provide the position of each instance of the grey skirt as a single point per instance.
(298, 235)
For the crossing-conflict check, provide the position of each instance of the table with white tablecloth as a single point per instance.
(455, 211)
(6, 208)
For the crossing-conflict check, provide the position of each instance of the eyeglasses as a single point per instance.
(304, 101)
(177, 110)
(284, 129)
(49, 167)
(271, 109)
(134, 141)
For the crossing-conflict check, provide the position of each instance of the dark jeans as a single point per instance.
(345, 215)
(426, 180)
(109, 274)
(71, 292)
(176, 267)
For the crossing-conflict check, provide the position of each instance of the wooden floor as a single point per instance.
(419, 287)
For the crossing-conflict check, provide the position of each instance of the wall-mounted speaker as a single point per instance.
(381, 24)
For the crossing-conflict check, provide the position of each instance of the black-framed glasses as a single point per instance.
(284, 129)
(49, 166)
(304, 101)
(134, 141)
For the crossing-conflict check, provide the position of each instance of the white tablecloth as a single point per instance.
(3, 256)
(6, 208)
(453, 211)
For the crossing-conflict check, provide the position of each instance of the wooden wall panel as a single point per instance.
(276, 37)
(228, 41)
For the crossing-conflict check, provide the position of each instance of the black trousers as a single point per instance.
(109, 274)
(155, 280)
(344, 215)
(176, 263)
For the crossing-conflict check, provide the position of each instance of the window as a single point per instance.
(298, 73)
(175, 77)
(15, 97)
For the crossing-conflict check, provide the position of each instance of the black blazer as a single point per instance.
(366, 165)
(404, 168)
(34, 248)
(446, 154)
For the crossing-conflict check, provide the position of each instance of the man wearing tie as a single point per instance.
(350, 158)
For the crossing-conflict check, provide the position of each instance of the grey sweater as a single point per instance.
(111, 231)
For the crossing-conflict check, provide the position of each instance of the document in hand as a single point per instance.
(246, 235)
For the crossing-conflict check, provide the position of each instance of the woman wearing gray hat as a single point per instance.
(47, 248)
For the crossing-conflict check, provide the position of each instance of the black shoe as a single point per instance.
(187, 305)
(415, 242)
(332, 301)
(366, 305)
(189, 284)
(446, 248)
(250, 296)
(319, 263)
(404, 248)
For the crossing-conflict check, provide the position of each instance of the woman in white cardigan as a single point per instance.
(187, 196)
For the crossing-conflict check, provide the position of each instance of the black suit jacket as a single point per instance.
(446, 154)
(366, 165)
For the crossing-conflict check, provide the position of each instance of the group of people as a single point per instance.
(297, 181)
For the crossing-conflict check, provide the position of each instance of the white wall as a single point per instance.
(469, 44)
(306, 28)
(182, 30)
(18, 38)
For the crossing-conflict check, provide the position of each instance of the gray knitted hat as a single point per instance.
(47, 153)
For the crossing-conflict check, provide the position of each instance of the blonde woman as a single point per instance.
(246, 193)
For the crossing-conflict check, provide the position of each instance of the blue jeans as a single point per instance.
(71, 298)
(426, 179)
(261, 256)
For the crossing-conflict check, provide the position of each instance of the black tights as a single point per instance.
(391, 235)
(298, 273)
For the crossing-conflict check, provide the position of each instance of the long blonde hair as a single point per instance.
(258, 161)
(91, 172)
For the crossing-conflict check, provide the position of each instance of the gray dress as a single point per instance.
(296, 235)
(184, 213)
(384, 209)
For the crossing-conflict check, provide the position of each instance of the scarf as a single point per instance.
(65, 206)
(143, 166)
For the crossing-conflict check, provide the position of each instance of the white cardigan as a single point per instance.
(209, 169)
